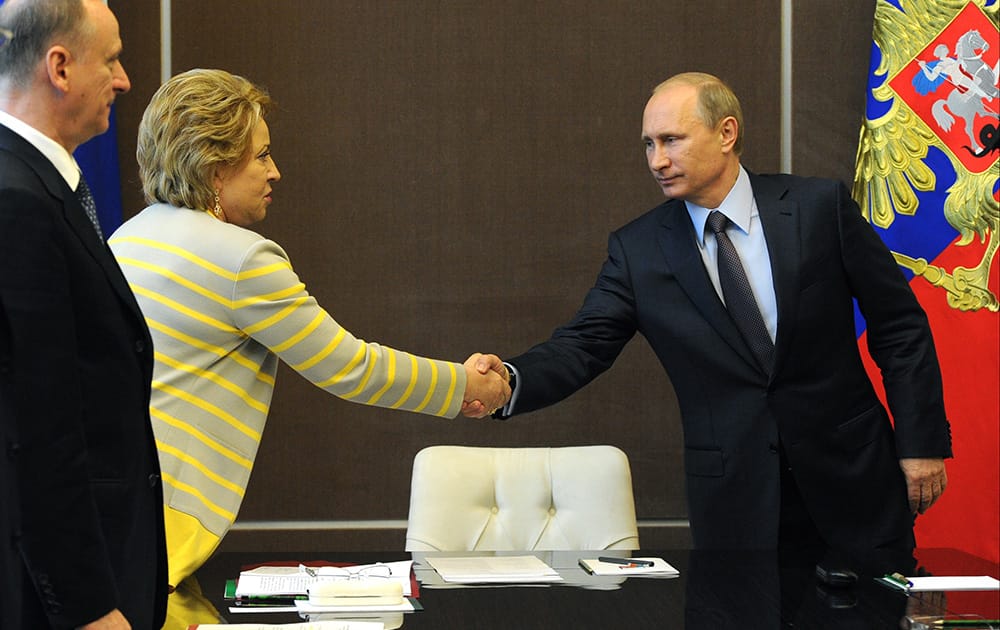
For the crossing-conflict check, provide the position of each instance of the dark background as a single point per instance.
(451, 171)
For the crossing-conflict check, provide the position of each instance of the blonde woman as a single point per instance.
(223, 305)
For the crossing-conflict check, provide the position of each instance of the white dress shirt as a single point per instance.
(55, 152)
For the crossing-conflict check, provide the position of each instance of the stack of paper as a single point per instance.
(494, 570)
(291, 581)
(286, 588)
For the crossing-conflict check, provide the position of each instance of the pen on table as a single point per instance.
(629, 562)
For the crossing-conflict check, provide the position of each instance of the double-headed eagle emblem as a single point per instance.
(939, 88)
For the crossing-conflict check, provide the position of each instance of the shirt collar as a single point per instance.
(738, 206)
(52, 150)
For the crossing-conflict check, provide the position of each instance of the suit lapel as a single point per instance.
(80, 224)
(73, 213)
(780, 219)
(677, 242)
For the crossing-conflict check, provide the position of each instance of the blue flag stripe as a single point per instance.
(98, 158)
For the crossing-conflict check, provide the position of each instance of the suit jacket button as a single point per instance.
(140, 346)
(154, 480)
(773, 448)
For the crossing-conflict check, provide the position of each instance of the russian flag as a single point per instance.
(928, 179)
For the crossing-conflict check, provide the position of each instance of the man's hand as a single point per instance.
(925, 481)
(114, 620)
(486, 387)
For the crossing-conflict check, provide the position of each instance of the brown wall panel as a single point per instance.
(831, 45)
(139, 23)
(451, 171)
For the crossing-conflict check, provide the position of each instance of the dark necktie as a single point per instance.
(738, 296)
(87, 200)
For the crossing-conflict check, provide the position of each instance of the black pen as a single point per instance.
(631, 562)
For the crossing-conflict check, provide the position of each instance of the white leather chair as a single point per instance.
(497, 499)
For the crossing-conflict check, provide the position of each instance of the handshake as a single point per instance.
(487, 385)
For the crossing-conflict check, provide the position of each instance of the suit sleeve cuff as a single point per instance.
(508, 410)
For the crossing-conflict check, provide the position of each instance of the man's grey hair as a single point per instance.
(36, 25)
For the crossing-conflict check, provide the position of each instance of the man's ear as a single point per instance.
(58, 62)
(729, 131)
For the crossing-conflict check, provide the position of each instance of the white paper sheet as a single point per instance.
(955, 583)
(493, 569)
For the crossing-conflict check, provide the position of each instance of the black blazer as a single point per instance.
(82, 518)
(818, 402)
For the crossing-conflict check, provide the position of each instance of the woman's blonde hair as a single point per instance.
(196, 122)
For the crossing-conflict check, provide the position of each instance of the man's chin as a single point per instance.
(100, 128)
(670, 192)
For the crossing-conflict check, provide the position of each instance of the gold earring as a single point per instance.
(217, 210)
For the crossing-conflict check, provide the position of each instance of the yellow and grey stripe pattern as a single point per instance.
(223, 304)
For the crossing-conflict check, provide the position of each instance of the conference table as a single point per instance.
(714, 590)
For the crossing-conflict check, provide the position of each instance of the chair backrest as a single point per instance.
(466, 498)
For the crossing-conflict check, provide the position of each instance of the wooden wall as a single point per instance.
(451, 171)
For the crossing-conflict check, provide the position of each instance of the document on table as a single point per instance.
(278, 580)
(946, 583)
(408, 605)
(309, 625)
(304, 607)
(493, 569)
(658, 568)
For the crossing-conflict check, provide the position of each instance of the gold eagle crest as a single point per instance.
(938, 87)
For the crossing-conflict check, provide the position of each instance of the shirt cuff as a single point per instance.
(508, 410)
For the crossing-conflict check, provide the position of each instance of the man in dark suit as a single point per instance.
(81, 519)
(788, 445)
